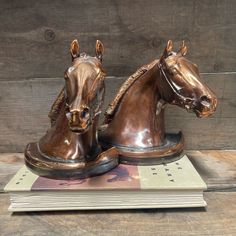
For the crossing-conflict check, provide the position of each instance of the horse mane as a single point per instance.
(112, 107)
(56, 107)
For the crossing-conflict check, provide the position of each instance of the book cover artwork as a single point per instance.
(176, 175)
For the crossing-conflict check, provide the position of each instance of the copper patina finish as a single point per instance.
(134, 120)
(70, 147)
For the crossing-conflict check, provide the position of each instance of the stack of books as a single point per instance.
(172, 185)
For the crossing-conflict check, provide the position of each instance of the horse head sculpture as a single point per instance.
(70, 147)
(182, 83)
(134, 120)
(84, 87)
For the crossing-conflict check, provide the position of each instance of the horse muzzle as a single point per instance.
(205, 107)
(79, 121)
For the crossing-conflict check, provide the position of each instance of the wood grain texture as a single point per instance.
(218, 168)
(35, 35)
(24, 106)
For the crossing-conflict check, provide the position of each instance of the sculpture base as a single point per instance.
(43, 166)
(170, 151)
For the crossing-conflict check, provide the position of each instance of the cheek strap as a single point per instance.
(187, 100)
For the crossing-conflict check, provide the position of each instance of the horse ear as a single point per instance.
(99, 49)
(183, 49)
(74, 49)
(167, 50)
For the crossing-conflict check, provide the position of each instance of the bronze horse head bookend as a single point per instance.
(70, 147)
(134, 121)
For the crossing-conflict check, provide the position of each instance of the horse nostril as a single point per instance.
(205, 101)
(84, 114)
(204, 98)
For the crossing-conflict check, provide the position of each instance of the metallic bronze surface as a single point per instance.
(70, 147)
(134, 120)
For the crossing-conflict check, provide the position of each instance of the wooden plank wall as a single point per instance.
(35, 37)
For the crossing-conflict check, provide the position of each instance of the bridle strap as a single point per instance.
(173, 86)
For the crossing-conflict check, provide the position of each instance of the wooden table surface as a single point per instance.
(218, 169)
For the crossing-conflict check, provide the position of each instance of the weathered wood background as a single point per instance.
(35, 37)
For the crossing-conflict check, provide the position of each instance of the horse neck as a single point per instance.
(137, 110)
